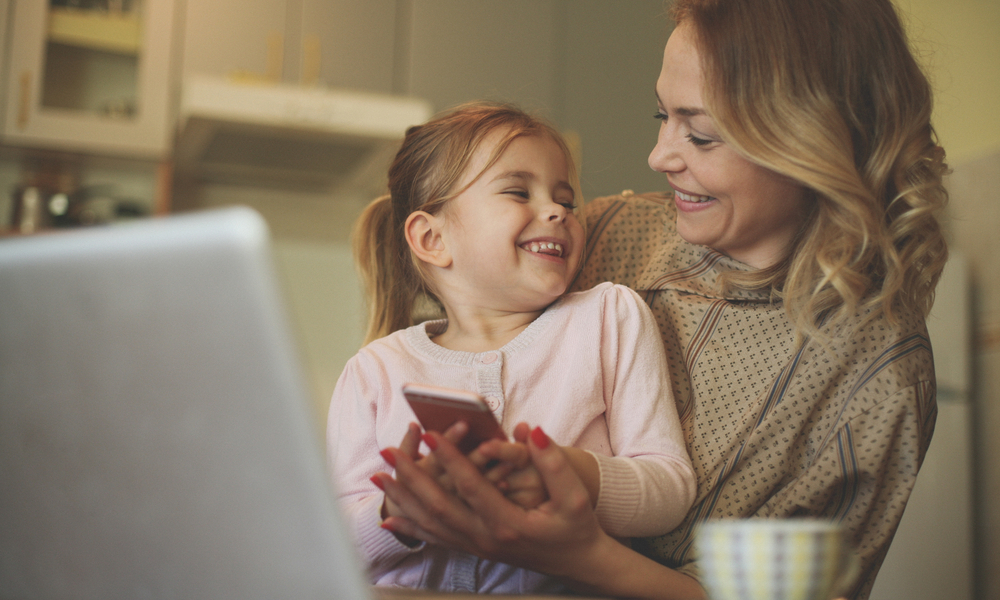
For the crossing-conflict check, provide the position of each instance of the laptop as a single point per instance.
(156, 440)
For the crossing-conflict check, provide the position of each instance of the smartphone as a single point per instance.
(439, 408)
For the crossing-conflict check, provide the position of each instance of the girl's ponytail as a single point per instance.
(388, 275)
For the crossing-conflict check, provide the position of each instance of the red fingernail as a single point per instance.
(430, 441)
(388, 456)
(539, 438)
(377, 482)
(387, 527)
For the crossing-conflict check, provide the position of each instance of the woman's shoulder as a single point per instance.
(629, 207)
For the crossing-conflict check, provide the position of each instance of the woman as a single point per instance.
(790, 272)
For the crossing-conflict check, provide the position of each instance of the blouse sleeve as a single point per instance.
(648, 486)
(353, 456)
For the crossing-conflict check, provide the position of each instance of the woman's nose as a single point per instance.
(664, 157)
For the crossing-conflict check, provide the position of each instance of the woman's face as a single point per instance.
(724, 201)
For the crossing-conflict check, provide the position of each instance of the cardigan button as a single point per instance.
(488, 358)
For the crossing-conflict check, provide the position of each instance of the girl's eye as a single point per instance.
(697, 141)
(569, 204)
(518, 193)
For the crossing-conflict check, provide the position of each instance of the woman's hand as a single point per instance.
(509, 465)
(560, 537)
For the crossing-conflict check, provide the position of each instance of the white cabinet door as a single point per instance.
(89, 80)
(343, 43)
(234, 37)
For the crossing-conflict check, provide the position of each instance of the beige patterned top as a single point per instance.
(773, 430)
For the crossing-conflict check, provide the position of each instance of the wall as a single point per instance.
(588, 69)
(960, 45)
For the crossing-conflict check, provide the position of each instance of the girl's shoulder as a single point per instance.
(606, 297)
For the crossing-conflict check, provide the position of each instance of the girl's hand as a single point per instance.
(514, 474)
(560, 536)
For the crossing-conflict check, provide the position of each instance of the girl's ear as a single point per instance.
(423, 235)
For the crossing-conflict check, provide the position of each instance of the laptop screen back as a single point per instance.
(155, 436)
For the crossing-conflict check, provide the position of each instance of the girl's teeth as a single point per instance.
(537, 247)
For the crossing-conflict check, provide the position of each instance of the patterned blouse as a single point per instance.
(774, 429)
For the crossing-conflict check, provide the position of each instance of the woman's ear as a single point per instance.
(423, 235)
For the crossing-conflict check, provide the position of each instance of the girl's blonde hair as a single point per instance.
(828, 93)
(425, 174)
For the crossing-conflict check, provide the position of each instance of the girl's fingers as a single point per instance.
(411, 441)
(521, 432)
(456, 432)
(510, 452)
(499, 473)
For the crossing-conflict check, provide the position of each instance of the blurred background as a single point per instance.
(113, 110)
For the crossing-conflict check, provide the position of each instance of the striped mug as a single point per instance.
(775, 559)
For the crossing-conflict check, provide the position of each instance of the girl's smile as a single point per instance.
(513, 238)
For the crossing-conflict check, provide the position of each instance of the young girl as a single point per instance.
(481, 220)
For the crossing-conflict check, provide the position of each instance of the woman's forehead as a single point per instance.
(681, 80)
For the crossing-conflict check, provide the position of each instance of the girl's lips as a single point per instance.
(551, 249)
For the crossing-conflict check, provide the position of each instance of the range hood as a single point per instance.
(289, 136)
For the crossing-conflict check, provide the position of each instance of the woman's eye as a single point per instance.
(660, 116)
(697, 141)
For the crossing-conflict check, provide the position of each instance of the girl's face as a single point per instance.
(514, 239)
(723, 200)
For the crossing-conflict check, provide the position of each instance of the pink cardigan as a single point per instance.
(590, 370)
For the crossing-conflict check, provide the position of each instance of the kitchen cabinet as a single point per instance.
(343, 44)
(93, 80)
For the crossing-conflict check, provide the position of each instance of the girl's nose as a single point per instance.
(554, 211)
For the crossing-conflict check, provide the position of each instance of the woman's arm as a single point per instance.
(560, 537)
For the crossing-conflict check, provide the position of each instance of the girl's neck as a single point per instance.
(474, 329)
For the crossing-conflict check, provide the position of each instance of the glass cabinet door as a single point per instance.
(90, 75)
(91, 60)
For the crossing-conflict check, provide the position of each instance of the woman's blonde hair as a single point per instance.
(425, 174)
(828, 93)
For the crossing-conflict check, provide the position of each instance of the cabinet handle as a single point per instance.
(24, 109)
(275, 56)
(311, 53)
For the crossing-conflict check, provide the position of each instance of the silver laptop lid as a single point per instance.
(155, 437)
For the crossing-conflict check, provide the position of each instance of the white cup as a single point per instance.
(775, 559)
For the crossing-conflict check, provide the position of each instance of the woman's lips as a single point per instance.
(692, 197)
(691, 202)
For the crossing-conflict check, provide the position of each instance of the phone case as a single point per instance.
(438, 408)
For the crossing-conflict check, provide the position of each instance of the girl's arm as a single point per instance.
(560, 537)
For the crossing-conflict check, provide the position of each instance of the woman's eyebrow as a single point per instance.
(684, 111)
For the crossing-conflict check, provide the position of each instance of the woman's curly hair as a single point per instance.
(828, 93)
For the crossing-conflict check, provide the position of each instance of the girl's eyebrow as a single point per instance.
(524, 175)
(528, 176)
